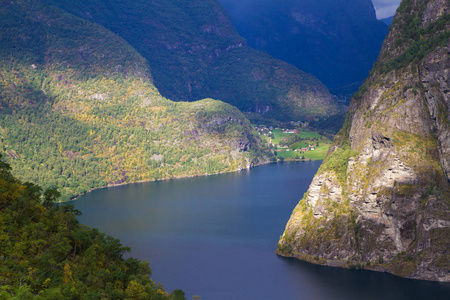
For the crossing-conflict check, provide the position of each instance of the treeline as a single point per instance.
(46, 254)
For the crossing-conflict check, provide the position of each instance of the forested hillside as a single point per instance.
(79, 109)
(46, 254)
(336, 41)
(195, 52)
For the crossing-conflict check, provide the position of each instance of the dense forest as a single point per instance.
(78, 110)
(195, 52)
(336, 41)
(46, 254)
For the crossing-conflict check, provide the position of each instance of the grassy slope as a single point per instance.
(309, 138)
(79, 109)
(318, 154)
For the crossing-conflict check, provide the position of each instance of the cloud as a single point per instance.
(385, 8)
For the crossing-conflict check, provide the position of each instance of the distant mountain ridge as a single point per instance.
(195, 52)
(337, 41)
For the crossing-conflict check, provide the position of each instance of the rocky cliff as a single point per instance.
(381, 199)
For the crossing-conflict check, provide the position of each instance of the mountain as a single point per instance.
(78, 110)
(388, 20)
(381, 198)
(195, 53)
(46, 254)
(336, 41)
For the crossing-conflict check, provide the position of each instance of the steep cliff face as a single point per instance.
(195, 52)
(381, 199)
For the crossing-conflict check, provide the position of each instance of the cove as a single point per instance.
(215, 237)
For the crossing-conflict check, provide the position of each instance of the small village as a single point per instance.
(294, 144)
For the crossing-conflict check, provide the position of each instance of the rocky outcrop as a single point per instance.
(381, 199)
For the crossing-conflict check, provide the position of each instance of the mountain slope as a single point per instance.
(79, 109)
(46, 254)
(336, 41)
(387, 21)
(381, 199)
(196, 53)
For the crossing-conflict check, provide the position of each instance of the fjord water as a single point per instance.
(215, 237)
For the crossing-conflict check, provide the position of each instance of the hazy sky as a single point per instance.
(385, 8)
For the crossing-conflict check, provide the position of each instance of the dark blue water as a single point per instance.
(216, 236)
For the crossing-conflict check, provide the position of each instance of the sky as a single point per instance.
(385, 8)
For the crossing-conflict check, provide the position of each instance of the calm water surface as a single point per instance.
(216, 236)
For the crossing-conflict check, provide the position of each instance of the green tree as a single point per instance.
(50, 196)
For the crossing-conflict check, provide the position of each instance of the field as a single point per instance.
(307, 135)
(287, 143)
(318, 153)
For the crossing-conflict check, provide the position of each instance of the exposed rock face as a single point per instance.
(381, 199)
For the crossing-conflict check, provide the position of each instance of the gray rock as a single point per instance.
(382, 196)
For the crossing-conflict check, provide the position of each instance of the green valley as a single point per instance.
(294, 144)
(99, 93)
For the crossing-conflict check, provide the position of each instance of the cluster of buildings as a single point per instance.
(286, 148)
(267, 131)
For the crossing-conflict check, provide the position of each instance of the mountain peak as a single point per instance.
(381, 198)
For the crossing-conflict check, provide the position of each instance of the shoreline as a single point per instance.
(164, 179)
(189, 176)
(353, 265)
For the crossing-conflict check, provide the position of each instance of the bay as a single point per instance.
(215, 237)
